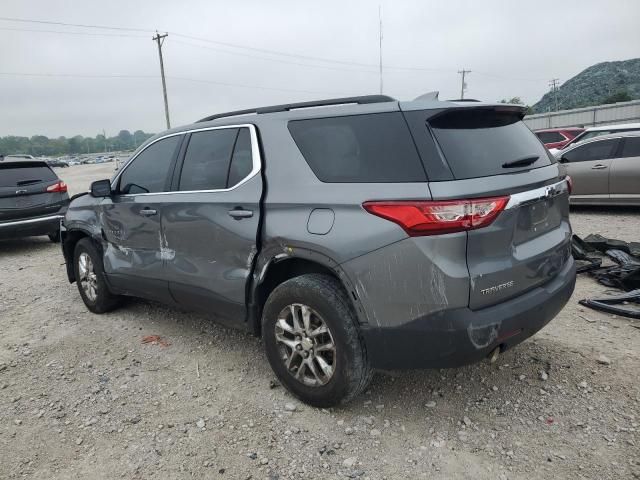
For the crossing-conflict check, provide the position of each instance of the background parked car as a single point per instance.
(605, 169)
(57, 163)
(32, 199)
(597, 131)
(558, 137)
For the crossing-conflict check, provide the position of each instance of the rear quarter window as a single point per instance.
(375, 148)
(479, 142)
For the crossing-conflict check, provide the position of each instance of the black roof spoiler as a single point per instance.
(291, 106)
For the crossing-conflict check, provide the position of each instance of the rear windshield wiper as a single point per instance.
(521, 162)
(23, 183)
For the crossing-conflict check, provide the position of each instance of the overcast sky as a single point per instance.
(512, 48)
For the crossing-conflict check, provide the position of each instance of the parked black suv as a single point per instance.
(368, 233)
(32, 199)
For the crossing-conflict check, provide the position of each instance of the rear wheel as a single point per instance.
(89, 274)
(312, 341)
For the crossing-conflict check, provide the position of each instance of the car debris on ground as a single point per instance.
(623, 273)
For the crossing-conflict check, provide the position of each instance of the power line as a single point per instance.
(123, 35)
(228, 44)
(82, 25)
(277, 60)
(170, 77)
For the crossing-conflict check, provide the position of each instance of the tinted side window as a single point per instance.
(550, 137)
(631, 147)
(149, 170)
(593, 151)
(359, 148)
(241, 161)
(206, 163)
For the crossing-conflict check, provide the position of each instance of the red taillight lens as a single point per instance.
(436, 217)
(57, 187)
(569, 183)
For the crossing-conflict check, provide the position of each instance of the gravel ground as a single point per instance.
(81, 396)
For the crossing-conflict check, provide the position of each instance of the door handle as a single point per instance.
(240, 213)
(598, 167)
(147, 212)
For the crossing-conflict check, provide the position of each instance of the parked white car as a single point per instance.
(596, 132)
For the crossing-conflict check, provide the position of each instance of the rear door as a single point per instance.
(135, 249)
(589, 166)
(23, 190)
(624, 179)
(212, 220)
(491, 153)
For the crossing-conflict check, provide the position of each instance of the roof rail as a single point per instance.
(291, 106)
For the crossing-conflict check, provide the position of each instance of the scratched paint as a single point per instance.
(165, 252)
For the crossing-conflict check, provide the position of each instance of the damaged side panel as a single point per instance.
(411, 278)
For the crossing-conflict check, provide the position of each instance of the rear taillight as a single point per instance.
(569, 183)
(57, 187)
(435, 217)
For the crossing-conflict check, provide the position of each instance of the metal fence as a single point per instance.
(623, 112)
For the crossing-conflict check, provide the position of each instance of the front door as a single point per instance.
(212, 221)
(131, 218)
(589, 166)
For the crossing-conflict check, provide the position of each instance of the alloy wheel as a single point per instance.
(88, 278)
(306, 345)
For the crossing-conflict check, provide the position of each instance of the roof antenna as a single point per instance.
(380, 46)
(427, 96)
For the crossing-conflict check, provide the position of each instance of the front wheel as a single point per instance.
(312, 341)
(89, 274)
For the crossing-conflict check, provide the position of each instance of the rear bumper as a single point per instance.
(461, 336)
(31, 226)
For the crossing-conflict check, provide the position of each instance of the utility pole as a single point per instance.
(159, 39)
(463, 87)
(105, 139)
(380, 38)
(553, 83)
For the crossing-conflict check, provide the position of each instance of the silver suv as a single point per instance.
(351, 234)
(605, 169)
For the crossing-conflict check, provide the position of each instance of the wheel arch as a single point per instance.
(280, 268)
(69, 239)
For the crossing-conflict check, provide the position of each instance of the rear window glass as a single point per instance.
(550, 137)
(17, 175)
(359, 148)
(479, 143)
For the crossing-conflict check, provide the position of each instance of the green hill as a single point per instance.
(606, 82)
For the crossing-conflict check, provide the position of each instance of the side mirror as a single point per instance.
(563, 159)
(101, 188)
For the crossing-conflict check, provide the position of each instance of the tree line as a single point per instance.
(40, 145)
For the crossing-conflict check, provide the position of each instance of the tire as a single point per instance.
(103, 300)
(55, 236)
(326, 303)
